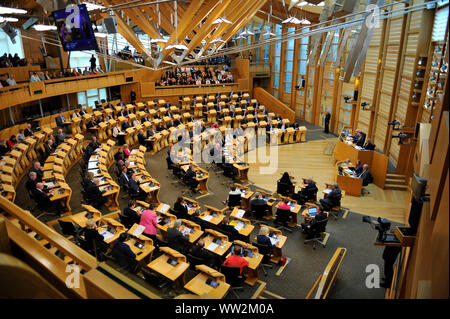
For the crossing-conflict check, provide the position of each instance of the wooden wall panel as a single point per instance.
(408, 66)
(395, 33)
(394, 151)
(412, 42)
(380, 132)
(402, 106)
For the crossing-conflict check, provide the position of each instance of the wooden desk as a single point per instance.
(192, 205)
(212, 215)
(199, 286)
(242, 225)
(211, 236)
(280, 241)
(295, 209)
(251, 271)
(246, 194)
(191, 229)
(80, 219)
(144, 254)
(242, 170)
(173, 273)
(111, 229)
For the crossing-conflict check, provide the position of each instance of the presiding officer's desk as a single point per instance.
(173, 272)
(216, 242)
(141, 245)
(278, 239)
(198, 285)
(251, 254)
(345, 149)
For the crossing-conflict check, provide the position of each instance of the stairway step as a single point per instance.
(393, 175)
(395, 181)
(395, 187)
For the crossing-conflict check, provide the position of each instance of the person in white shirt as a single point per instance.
(116, 130)
(234, 191)
(11, 80)
(34, 78)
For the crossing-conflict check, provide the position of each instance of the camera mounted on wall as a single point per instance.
(405, 135)
(381, 224)
(365, 106)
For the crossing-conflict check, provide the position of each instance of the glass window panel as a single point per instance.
(277, 64)
(6, 46)
(304, 52)
(288, 77)
(278, 49)
(302, 67)
(81, 98)
(290, 55)
(276, 80)
(287, 87)
(91, 101)
(92, 92)
(103, 95)
(275, 93)
(289, 66)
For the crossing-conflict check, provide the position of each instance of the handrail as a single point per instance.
(194, 86)
(274, 104)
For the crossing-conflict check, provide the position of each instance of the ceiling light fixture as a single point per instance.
(221, 20)
(93, 6)
(7, 10)
(158, 40)
(44, 27)
(8, 19)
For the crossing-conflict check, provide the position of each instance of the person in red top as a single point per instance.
(236, 260)
(283, 205)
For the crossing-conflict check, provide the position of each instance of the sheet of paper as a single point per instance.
(273, 241)
(106, 235)
(49, 185)
(138, 231)
(240, 213)
(153, 188)
(164, 208)
(212, 246)
(208, 218)
(327, 191)
(239, 226)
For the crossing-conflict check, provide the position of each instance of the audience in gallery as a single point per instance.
(8, 61)
(46, 75)
(7, 80)
(195, 76)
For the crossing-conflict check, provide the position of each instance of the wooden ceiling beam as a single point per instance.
(237, 16)
(165, 22)
(130, 36)
(206, 29)
(236, 27)
(139, 18)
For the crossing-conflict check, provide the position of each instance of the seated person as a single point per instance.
(94, 194)
(263, 237)
(87, 180)
(368, 145)
(307, 193)
(236, 260)
(332, 199)
(359, 139)
(126, 150)
(233, 191)
(91, 234)
(228, 230)
(124, 179)
(200, 252)
(4, 148)
(258, 200)
(60, 137)
(131, 214)
(134, 188)
(42, 197)
(122, 253)
(12, 142)
(176, 239)
(30, 184)
(311, 228)
(195, 217)
(358, 168)
(37, 168)
(190, 178)
(180, 207)
(94, 144)
(120, 155)
(366, 175)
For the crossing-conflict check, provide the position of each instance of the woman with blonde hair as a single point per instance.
(263, 237)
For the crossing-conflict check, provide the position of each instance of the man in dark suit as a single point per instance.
(60, 120)
(134, 187)
(333, 198)
(258, 200)
(94, 144)
(311, 228)
(176, 239)
(142, 138)
(28, 131)
(131, 214)
(60, 137)
(37, 168)
(123, 254)
(123, 177)
(180, 207)
(327, 122)
(42, 197)
(359, 139)
(366, 175)
(95, 195)
(228, 229)
(91, 234)
(368, 145)
(307, 193)
(200, 252)
(126, 125)
(190, 177)
(30, 185)
(49, 148)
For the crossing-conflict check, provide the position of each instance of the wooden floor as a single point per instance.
(308, 160)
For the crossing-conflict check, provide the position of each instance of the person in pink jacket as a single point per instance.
(148, 220)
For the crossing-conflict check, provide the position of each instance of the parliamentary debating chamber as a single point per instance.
(224, 149)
